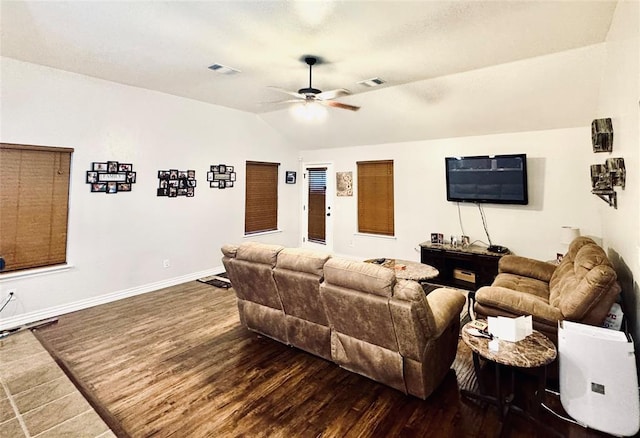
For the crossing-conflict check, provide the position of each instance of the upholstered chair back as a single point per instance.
(356, 298)
(250, 269)
(584, 285)
(298, 274)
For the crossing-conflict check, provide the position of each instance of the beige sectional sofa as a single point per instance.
(353, 313)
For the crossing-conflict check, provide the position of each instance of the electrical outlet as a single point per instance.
(166, 263)
(12, 294)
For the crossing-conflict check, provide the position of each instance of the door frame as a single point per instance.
(329, 198)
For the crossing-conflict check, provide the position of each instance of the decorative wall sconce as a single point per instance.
(602, 135)
(604, 177)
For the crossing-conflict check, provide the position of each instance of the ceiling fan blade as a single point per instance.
(281, 101)
(332, 94)
(292, 93)
(334, 104)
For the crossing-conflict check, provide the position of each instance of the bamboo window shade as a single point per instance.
(375, 197)
(34, 201)
(261, 201)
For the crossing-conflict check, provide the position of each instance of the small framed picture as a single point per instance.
(290, 177)
(99, 187)
(92, 176)
(209, 176)
(191, 182)
(215, 169)
(222, 184)
(112, 187)
(173, 192)
(131, 177)
(125, 167)
(174, 183)
(112, 166)
(214, 184)
(190, 192)
(228, 184)
(230, 169)
(222, 168)
(191, 174)
(232, 176)
(173, 174)
(182, 174)
(163, 191)
(124, 187)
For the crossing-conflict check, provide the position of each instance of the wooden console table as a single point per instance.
(466, 268)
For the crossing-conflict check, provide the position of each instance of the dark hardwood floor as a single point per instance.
(177, 363)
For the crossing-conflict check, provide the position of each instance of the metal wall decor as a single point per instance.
(602, 135)
(604, 177)
(221, 176)
(111, 177)
(174, 183)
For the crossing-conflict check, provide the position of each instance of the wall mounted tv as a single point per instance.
(497, 179)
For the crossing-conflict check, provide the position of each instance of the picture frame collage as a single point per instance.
(173, 183)
(110, 177)
(221, 176)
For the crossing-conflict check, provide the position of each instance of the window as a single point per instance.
(34, 201)
(261, 200)
(375, 197)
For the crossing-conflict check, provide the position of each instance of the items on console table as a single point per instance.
(469, 267)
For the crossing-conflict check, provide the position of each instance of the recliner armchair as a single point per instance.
(581, 288)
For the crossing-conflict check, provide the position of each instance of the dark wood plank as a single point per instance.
(177, 362)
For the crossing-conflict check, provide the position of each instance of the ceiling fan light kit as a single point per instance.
(310, 95)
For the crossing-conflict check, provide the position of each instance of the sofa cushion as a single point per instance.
(302, 260)
(364, 277)
(229, 250)
(531, 286)
(259, 252)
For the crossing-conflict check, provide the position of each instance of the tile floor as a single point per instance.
(37, 399)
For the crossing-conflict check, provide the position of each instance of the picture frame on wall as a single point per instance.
(112, 187)
(99, 187)
(92, 176)
(290, 177)
(99, 167)
(112, 167)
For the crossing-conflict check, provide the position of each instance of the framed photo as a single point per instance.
(222, 168)
(191, 174)
(232, 176)
(124, 187)
(112, 166)
(163, 191)
(222, 184)
(190, 192)
(131, 177)
(112, 187)
(290, 177)
(215, 169)
(230, 169)
(174, 183)
(173, 192)
(92, 176)
(228, 184)
(173, 174)
(182, 174)
(163, 174)
(125, 167)
(99, 187)
(214, 184)
(209, 176)
(99, 167)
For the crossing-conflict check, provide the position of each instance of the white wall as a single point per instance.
(117, 243)
(559, 194)
(620, 100)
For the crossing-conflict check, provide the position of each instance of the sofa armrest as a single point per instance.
(517, 303)
(446, 305)
(526, 267)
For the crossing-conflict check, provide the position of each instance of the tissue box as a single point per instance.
(510, 329)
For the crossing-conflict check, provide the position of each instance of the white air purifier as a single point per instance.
(598, 378)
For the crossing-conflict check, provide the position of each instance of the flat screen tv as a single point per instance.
(496, 179)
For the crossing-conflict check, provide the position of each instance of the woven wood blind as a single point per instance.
(261, 201)
(375, 197)
(34, 200)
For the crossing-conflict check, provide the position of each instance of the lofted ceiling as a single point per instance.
(452, 68)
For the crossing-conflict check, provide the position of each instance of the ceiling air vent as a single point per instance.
(373, 82)
(223, 69)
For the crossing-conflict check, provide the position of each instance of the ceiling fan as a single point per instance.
(311, 94)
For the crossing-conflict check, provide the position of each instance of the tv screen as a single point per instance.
(497, 179)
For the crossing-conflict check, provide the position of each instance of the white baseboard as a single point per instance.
(51, 312)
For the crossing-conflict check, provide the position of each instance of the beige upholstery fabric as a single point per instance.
(352, 313)
(581, 288)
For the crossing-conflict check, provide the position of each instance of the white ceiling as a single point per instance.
(433, 56)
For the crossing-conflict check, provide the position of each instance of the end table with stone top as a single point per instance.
(407, 270)
(536, 351)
